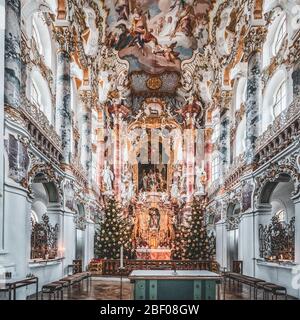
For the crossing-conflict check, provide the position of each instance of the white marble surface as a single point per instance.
(171, 274)
(277, 265)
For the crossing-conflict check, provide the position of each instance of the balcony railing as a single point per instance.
(78, 170)
(112, 267)
(43, 133)
(280, 134)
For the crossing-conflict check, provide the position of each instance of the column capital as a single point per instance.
(64, 38)
(86, 97)
(226, 99)
(254, 40)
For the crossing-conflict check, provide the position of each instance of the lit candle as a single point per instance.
(121, 258)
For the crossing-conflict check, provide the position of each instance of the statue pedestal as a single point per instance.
(153, 254)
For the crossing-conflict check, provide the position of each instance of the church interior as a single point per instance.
(150, 149)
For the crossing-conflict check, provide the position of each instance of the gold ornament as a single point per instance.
(154, 83)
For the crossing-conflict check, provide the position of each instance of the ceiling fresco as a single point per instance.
(155, 36)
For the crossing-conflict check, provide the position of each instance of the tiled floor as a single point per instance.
(109, 289)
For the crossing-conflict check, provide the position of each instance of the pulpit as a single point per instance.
(175, 285)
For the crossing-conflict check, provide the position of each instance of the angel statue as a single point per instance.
(200, 178)
(131, 190)
(108, 177)
(143, 197)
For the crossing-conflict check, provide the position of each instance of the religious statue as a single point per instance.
(200, 179)
(91, 35)
(108, 177)
(127, 185)
(154, 218)
(143, 197)
(175, 193)
(131, 190)
(164, 197)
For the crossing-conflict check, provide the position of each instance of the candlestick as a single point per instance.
(121, 258)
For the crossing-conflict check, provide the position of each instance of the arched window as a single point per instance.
(281, 214)
(42, 38)
(215, 168)
(34, 217)
(275, 98)
(35, 95)
(40, 94)
(279, 36)
(241, 137)
(36, 38)
(280, 99)
(215, 127)
(240, 93)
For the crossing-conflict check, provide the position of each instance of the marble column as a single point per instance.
(224, 143)
(190, 161)
(100, 146)
(86, 132)
(296, 82)
(254, 42)
(63, 114)
(119, 114)
(12, 75)
(252, 104)
(208, 150)
(117, 154)
(189, 152)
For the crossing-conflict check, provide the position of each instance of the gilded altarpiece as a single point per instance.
(152, 156)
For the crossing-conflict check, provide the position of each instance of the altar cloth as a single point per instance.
(170, 274)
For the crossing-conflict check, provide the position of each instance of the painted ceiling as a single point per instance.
(155, 36)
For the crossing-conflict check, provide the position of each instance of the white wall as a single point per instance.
(2, 36)
(221, 244)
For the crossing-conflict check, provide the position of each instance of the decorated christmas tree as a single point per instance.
(113, 232)
(180, 243)
(200, 246)
(192, 242)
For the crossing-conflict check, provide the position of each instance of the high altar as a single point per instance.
(155, 169)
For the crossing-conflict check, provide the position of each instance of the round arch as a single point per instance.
(43, 91)
(280, 77)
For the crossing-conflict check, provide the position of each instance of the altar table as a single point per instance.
(179, 285)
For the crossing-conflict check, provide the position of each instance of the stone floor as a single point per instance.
(109, 289)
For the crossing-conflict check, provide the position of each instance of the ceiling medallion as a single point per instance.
(154, 83)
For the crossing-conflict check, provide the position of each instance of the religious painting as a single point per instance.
(18, 159)
(247, 196)
(156, 35)
(69, 195)
(154, 219)
(152, 177)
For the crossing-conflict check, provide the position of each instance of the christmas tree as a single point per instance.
(113, 232)
(199, 246)
(180, 243)
(192, 242)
